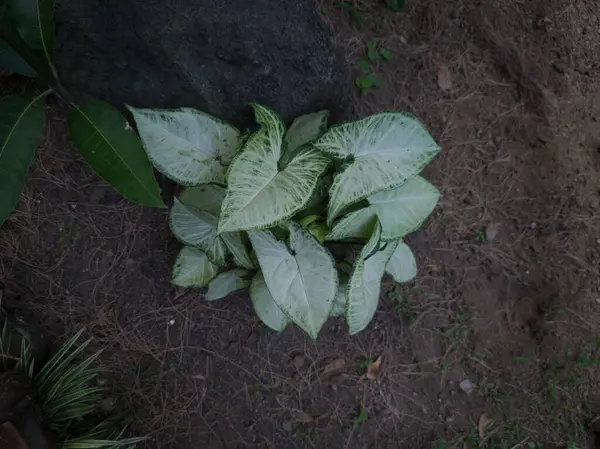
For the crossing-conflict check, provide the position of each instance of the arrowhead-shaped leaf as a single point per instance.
(186, 145)
(21, 128)
(402, 266)
(193, 220)
(303, 130)
(381, 152)
(102, 136)
(302, 279)
(264, 305)
(362, 295)
(193, 269)
(261, 195)
(400, 211)
(226, 283)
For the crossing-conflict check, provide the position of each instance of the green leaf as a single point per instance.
(302, 279)
(193, 269)
(226, 283)
(193, 221)
(363, 65)
(402, 266)
(10, 59)
(34, 21)
(395, 5)
(260, 195)
(400, 211)
(186, 145)
(385, 54)
(21, 128)
(303, 130)
(103, 137)
(264, 305)
(382, 152)
(365, 283)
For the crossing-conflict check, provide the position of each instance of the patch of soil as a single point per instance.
(507, 295)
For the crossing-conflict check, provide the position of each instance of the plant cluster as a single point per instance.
(98, 130)
(256, 209)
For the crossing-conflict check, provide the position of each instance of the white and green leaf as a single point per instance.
(381, 152)
(303, 130)
(402, 266)
(193, 269)
(186, 145)
(400, 211)
(264, 305)
(259, 194)
(339, 304)
(302, 279)
(227, 283)
(362, 294)
(197, 228)
(237, 247)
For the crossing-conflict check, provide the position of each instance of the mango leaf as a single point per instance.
(102, 136)
(186, 145)
(302, 279)
(264, 305)
(339, 304)
(193, 221)
(11, 60)
(226, 283)
(21, 128)
(259, 194)
(402, 266)
(400, 211)
(362, 294)
(303, 130)
(380, 152)
(192, 269)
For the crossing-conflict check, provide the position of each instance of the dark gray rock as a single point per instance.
(214, 55)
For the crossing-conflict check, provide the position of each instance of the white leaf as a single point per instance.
(186, 145)
(194, 218)
(226, 283)
(303, 130)
(192, 268)
(382, 152)
(195, 227)
(264, 306)
(365, 283)
(302, 280)
(259, 195)
(400, 211)
(402, 266)
(339, 304)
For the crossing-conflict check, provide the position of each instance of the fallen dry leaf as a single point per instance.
(482, 425)
(373, 369)
(336, 365)
(444, 78)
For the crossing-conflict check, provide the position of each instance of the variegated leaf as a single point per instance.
(226, 283)
(264, 305)
(194, 219)
(302, 279)
(259, 194)
(303, 130)
(339, 304)
(382, 152)
(362, 294)
(402, 266)
(192, 268)
(186, 145)
(400, 211)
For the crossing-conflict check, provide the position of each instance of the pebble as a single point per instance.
(467, 386)
(298, 361)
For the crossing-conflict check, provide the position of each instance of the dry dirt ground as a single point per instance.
(495, 345)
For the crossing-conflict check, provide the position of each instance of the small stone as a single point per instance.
(492, 230)
(298, 361)
(533, 225)
(287, 426)
(467, 386)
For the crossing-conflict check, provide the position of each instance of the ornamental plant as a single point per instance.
(258, 210)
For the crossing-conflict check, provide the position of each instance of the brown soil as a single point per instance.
(508, 291)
